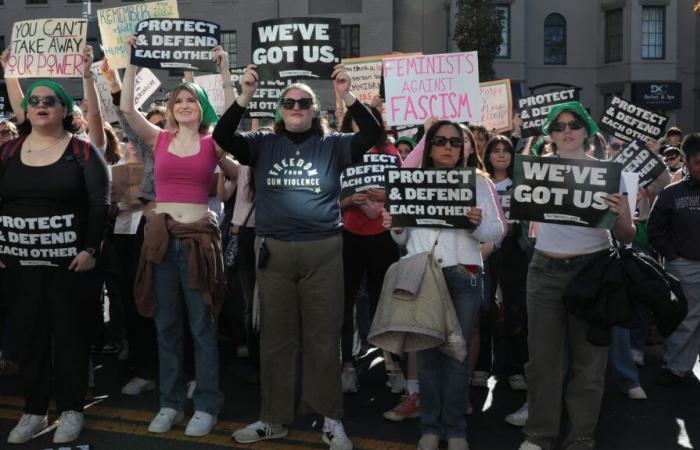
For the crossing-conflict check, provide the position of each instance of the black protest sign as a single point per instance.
(433, 198)
(264, 101)
(183, 44)
(296, 47)
(38, 241)
(628, 121)
(534, 109)
(367, 175)
(504, 197)
(564, 191)
(636, 157)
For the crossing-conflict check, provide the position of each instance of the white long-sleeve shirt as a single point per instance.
(458, 246)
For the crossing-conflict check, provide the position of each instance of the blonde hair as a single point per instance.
(170, 123)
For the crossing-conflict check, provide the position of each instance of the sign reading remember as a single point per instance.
(564, 191)
(445, 86)
(47, 48)
(628, 121)
(433, 198)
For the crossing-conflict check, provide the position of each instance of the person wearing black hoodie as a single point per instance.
(674, 231)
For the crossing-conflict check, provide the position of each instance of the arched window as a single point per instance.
(555, 39)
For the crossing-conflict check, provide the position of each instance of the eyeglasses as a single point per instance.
(673, 157)
(6, 132)
(616, 146)
(441, 141)
(561, 126)
(304, 103)
(49, 101)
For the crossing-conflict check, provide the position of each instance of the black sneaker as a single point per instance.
(668, 378)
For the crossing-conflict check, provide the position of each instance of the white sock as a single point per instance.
(412, 387)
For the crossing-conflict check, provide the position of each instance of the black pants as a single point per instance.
(53, 314)
(245, 267)
(364, 254)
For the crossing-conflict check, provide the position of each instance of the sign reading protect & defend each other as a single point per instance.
(628, 121)
(636, 157)
(534, 109)
(38, 241)
(367, 175)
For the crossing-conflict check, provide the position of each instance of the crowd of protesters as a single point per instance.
(222, 216)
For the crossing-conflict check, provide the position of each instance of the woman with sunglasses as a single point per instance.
(554, 335)
(181, 264)
(299, 246)
(53, 314)
(443, 379)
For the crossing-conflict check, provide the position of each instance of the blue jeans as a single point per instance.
(171, 286)
(624, 369)
(683, 345)
(444, 390)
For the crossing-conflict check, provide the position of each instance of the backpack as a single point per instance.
(80, 150)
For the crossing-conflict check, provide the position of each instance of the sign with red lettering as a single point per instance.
(47, 48)
(445, 86)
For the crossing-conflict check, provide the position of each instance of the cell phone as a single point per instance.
(263, 254)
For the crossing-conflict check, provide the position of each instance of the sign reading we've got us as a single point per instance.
(47, 48)
(564, 191)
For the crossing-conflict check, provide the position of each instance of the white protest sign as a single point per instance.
(214, 88)
(47, 48)
(496, 106)
(445, 86)
(145, 85)
(366, 73)
(117, 24)
(109, 110)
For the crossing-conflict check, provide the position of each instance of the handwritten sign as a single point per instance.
(145, 85)
(47, 48)
(445, 86)
(126, 182)
(117, 24)
(496, 106)
(366, 73)
(109, 109)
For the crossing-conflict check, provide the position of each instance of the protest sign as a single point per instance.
(38, 241)
(534, 109)
(303, 47)
(445, 86)
(367, 175)
(214, 88)
(504, 197)
(636, 157)
(176, 44)
(126, 182)
(366, 73)
(564, 191)
(109, 109)
(496, 106)
(434, 198)
(117, 24)
(632, 184)
(47, 48)
(627, 121)
(145, 85)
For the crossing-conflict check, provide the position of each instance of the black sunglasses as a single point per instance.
(561, 126)
(441, 141)
(673, 157)
(304, 103)
(49, 101)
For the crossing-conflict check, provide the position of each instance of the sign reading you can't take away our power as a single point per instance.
(628, 121)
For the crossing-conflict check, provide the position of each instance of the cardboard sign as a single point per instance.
(109, 109)
(47, 48)
(534, 109)
(366, 73)
(145, 85)
(126, 182)
(496, 106)
(176, 44)
(628, 122)
(636, 157)
(302, 47)
(445, 86)
(433, 198)
(564, 191)
(367, 175)
(27, 241)
(117, 24)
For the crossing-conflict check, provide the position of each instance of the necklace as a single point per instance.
(29, 150)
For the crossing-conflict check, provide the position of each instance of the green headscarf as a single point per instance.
(406, 140)
(576, 108)
(66, 99)
(209, 117)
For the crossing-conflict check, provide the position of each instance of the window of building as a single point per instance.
(613, 35)
(503, 12)
(335, 7)
(349, 41)
(555, 39)
(37, 2)
(653, 32)
(229, 42)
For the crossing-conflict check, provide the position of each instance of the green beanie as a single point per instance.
(209, 116)
(66, 99)
(574, 107)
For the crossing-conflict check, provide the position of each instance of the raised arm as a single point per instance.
(96, 130)
(14, 90)
(221, 60)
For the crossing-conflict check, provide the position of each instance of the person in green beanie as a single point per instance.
(179, 230)
(404, 145)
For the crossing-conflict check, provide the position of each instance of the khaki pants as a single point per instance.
(301, 309)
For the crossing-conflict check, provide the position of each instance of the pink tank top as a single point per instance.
(184, 179)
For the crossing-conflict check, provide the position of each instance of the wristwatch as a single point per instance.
(90, 251)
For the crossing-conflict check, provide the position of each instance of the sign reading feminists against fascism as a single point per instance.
(367, 175)
(433, 198)
(47, 48)
(628, 121)
(296, 47)
(38, 241)
(534, 109)
(445, 86)
(636, 157)
(564, 191)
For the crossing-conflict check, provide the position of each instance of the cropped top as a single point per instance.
(184, 179)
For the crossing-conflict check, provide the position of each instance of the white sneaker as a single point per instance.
(200, 424)
(164, 420)
(396, 381)
(637, 393)
(191, 386)
(348, 379)
(517, 383)
(26, 428)
(70, 424)
(480, 379)
(137, 386)
(527, 445)
(638, 357)
(334, 435)
(260, 431)
(519, 417)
